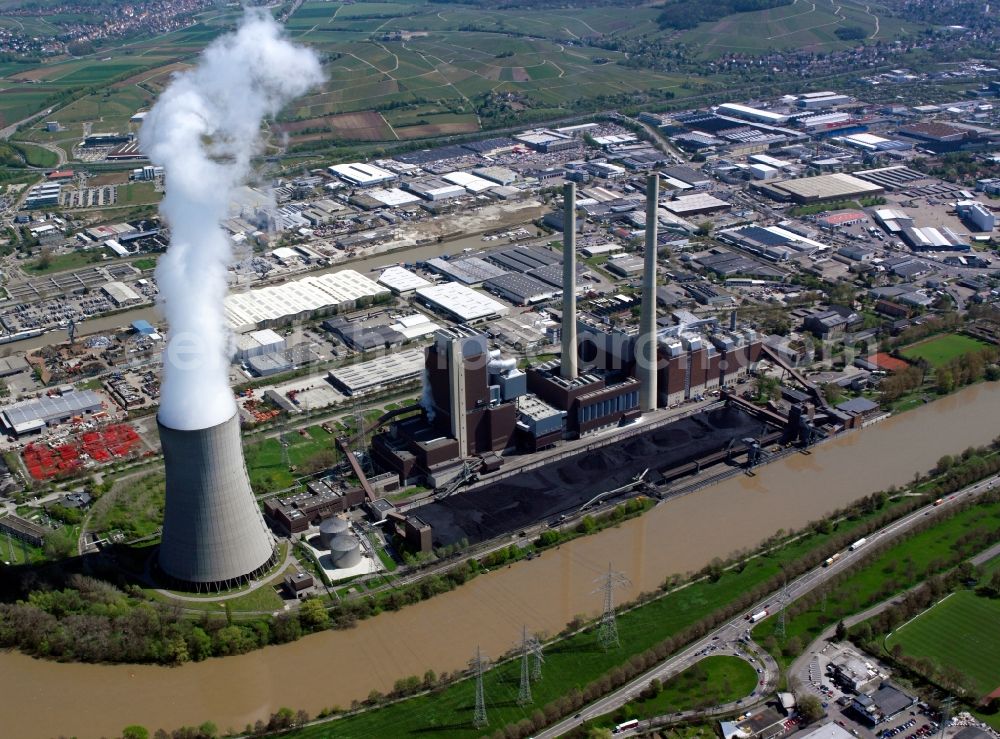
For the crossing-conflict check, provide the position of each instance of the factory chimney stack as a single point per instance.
(646, 356)
(567, 367)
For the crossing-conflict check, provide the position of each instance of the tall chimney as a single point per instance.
(456, 389)
(567, 365)
(214, 536)
(646, 356)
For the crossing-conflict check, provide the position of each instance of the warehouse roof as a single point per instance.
(469, 181)
(827, 187)
(388, 370)
(471, 270)
(520, 288)
(461, 302)
(307, 295)
(359, 173)
(698, 203)
(401, 280)
(393, 196)
(31, 413)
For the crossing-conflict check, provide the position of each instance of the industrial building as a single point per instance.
(753, 114)
(43, 196)
(359, 174)
(520, 289)
(392, 370)
(257, 343)
(976, 215)
(214, 536)
(698, 204)
(121, 294)
(461, 303)
(32, 415)
(822, 188)
(402, 281)
(309, 297)
(468, 271)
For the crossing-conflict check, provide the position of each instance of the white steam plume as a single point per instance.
(204, 130)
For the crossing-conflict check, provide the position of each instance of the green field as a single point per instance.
(804, 25)
(267, 469)
(712, 681)
(960, 632)
(901, 566)
(62, 262)
(941, 350)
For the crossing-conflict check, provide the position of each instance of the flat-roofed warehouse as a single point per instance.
(461, 303)
(520, 289)
(469, 271)
(825, 187)
(523, 258)
(377, 374)
(361, 175)
(691, 205)
(36, 414)
(401, 280)
(309, 297)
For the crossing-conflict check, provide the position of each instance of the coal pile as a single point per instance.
(526, 498)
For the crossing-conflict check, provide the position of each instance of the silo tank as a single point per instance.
(331, 528)
(345, 551)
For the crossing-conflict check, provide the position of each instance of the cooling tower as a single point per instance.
(214, 535)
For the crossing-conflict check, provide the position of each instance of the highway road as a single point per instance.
(732, 630)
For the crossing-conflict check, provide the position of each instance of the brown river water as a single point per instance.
(44, 699)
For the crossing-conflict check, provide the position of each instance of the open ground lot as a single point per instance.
(941, 350)
(960, 633)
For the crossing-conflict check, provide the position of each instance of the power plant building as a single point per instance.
(478, 403)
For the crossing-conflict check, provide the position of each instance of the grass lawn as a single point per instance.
(145, 263)
(264, 459)
(899, 567)
(942, 349)
(134, 506)
(138, 193)
(710, 682)
(958, 632)
(37, 156)
(61, 262)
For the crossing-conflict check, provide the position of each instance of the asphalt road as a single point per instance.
(732, 630)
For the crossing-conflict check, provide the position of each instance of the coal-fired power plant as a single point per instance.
(204, 130)
(214, 536)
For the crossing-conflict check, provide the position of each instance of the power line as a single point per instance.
(607, 631)
(530, 647)
(479, 665)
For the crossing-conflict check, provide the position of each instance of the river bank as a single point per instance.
(336, 667)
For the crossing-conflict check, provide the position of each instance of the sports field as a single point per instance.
(960, 633)
(940, 350)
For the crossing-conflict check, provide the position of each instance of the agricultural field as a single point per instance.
(941, 350)
(416, 69)
(958, 633)
(802, 25)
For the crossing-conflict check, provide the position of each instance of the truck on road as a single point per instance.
(858, 544)
(759, 616)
